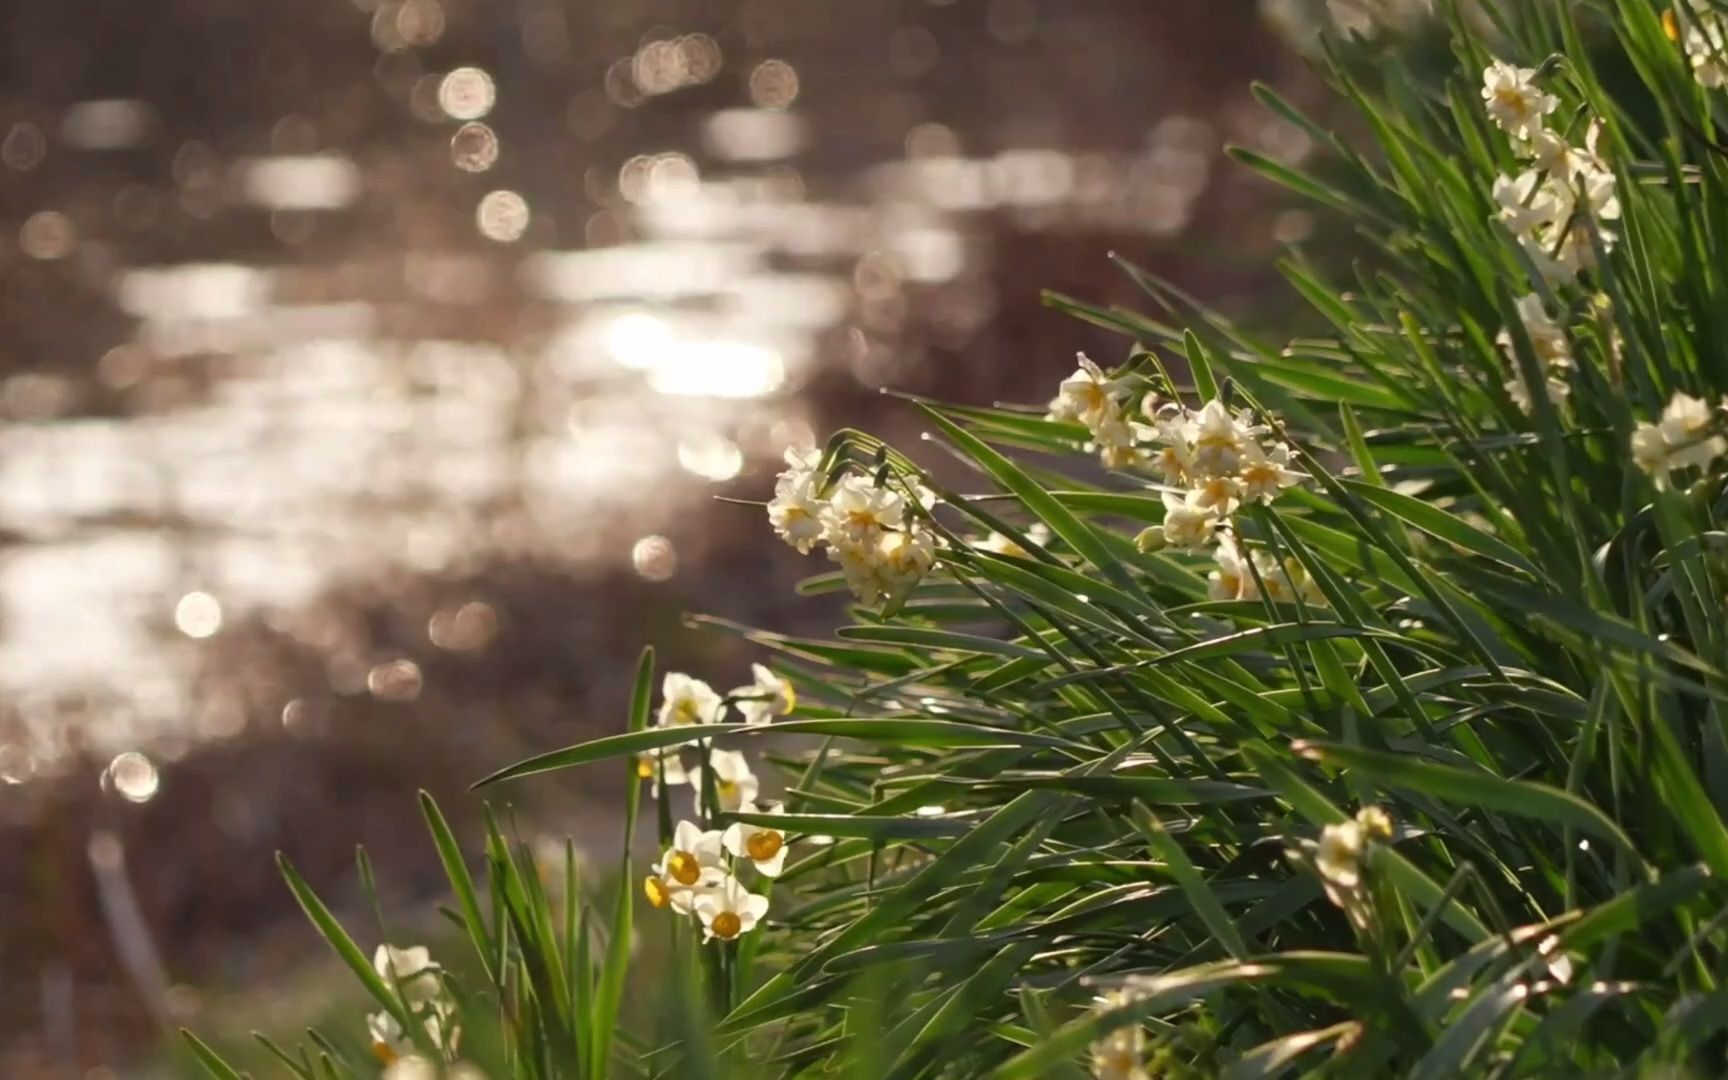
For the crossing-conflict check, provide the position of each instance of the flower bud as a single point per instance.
(1151, 539)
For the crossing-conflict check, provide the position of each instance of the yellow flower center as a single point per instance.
(788, 698)
(685, 712)
(1511, 99)
(382, 1052)
(726, 925)
(644, 768)
(683, 868)
(658, 894)
(725, 788)
(764, 845)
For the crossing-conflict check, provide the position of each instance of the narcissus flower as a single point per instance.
(1686, 436)
(1088, 395)
(418, 983)
(1552, 350)
(795, 512)
(1339, 856)
(1514, 100)
(1120, 1055)
(1219, 439)
(1174, 461)
(410, 971)
(1556, 389)
(1338, 859)
(1265, 472)
(763, 845)
(1186, 524)
(1285, 582)
(1706, 44)
(1376, 823)
(858, 511)
(1547, 337)
(391, 1045)
(1231, 580)
(686, 701)
(903, 560)
(1544, 206)
(729, 910)
(1684, 422)
(1551, 153)
(1601, 193)
(1528, 203)
(766, 697)
(650, 764)
(1118, 443)
(734, 783)
(691, 865)
(1038, 533)
(1220, 495)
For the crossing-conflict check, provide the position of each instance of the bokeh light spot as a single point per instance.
(773, 84)
(711, 456)
(47, 234)
(474, 147)
(198, 615)
(654, 558)
(467, 93)
(134, 776)
(395, 680)
(466, 628)
(502, 216)
(24, 147)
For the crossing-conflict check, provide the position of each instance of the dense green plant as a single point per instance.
(1403, 755)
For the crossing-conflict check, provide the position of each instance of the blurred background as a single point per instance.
(368, 369)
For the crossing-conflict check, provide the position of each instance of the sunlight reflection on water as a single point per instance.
(316, 423)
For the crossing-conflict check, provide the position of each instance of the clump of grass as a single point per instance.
(1407, 760)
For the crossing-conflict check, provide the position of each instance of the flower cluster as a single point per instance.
(1337, 858)
(698, 874)
(1547, 206)
(1212, 461)
(1553, 354)
(866, 527)
(1093, 399)
(686, 701)
(418, 984)
(1687, 435)
(1704, 36)
(1219, 460)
